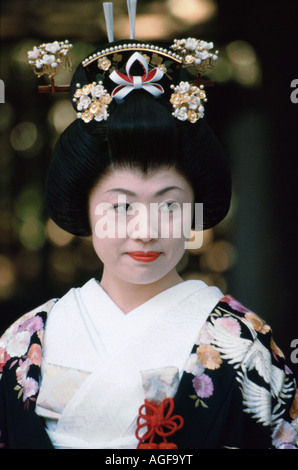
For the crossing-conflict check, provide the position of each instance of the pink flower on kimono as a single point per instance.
(203, 386)
(22, 371)
(35, 354)
(4, 357)
(231, 325)
(30, 388)
(32, 325)
(234, 304)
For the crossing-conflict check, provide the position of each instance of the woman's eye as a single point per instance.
(122, 208)
(168, 206)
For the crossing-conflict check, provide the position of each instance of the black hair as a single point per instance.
(141, 133)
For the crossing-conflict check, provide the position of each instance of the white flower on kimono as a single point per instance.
(22, 371)
(30, 388)
(204, 335)
(18, 344)
(193, 365)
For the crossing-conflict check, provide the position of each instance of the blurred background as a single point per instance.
(252, 254)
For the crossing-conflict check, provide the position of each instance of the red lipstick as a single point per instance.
(144, 256)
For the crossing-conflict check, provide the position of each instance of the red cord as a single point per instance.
(156, 418)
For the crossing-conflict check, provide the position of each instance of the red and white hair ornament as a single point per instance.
(129, 82)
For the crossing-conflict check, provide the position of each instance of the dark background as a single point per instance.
(253, 253)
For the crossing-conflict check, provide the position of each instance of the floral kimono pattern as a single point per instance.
(235, 392)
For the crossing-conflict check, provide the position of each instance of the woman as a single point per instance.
(142, 359)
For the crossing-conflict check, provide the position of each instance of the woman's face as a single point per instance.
(140, 223)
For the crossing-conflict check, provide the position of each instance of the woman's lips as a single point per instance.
(144, 256)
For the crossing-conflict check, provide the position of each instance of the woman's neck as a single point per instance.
(129, 296)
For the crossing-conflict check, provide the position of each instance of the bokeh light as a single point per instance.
(192, 11)
(61, 115)
(7, 277)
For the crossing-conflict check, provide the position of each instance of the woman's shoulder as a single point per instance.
(14, 341)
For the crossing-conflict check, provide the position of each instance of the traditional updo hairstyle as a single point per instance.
(140, 133)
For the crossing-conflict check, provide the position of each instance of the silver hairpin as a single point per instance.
(108, 12)
(132, 11)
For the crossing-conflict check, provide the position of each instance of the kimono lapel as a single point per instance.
(154, 336)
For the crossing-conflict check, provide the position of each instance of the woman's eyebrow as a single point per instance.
(131, 193)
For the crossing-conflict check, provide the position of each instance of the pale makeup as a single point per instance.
(143, 263)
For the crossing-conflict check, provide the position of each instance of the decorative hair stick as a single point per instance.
(48, 59)
(108, 12)
(132, 11)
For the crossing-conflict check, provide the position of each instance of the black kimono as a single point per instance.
(235, 390)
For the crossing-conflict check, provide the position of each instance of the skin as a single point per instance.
(128, 281)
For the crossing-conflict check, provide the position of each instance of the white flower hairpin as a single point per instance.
(48, 59)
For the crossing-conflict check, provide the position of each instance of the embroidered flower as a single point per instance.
(203, 386)
(18, 344)
(22, 371)
(4, 357)
(35, 354)
(285, 433)
(234, 304)
(30, 388)
(257, 323)
(204, 335)
(193, 365)
(208, 356)
(31, 325)
(231, 325)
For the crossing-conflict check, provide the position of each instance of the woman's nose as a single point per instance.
(143, 224)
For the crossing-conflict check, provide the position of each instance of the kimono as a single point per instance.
(189, 369)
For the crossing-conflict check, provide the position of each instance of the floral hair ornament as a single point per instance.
(48, 59)
(92, 102)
